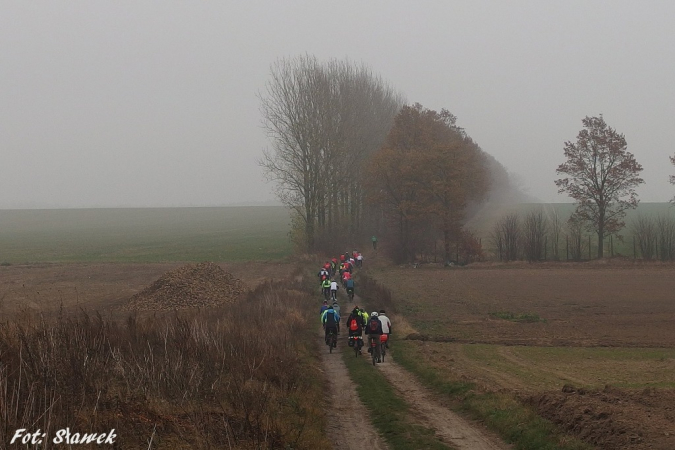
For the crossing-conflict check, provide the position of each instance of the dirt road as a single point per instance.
(449, 427)
(349, 426)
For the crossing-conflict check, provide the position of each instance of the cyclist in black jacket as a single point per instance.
(374, 331)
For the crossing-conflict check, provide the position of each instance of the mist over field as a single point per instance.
(145, 235)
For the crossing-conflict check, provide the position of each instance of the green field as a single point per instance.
(144, 235)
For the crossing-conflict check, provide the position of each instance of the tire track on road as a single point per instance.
(449, 426)
(349, 426)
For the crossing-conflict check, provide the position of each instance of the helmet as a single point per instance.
(382, 311)
(373, 314)
(325, 302)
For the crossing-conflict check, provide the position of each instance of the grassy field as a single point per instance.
(144, 235)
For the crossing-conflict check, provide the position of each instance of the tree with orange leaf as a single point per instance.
(601, 176)
(424, 177)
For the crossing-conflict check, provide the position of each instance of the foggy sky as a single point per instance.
(153, 103)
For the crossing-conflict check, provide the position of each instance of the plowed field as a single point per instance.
(591, 346)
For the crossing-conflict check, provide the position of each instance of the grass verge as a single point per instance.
(516, 423)
(501, 412)
(389, 413)
(521, 317)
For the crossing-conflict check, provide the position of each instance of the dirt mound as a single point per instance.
(190, 286)
(613, 418)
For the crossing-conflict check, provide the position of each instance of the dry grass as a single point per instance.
(242, 376)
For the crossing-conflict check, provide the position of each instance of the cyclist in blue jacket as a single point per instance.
(330, 320)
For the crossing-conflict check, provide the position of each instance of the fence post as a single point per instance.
(634, 253)
(589, 247)
(545, 246)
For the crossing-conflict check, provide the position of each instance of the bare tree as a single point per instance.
(535, 228)
(506, 237)
(575, 237)
(665, 232)
(556, 230)
(323, 121)
(601, 177)
(672, 177)
(644, 230)
(498, 241)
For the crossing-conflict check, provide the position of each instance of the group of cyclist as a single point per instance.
(344, 265)
(375, 325)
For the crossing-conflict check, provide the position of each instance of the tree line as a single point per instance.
(351, 158)
(544, 234)
(324, 120)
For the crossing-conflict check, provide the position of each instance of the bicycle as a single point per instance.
(373, 353)
(356, 342)
(350, 293)
(383, 345)
(331, 340)
(333, 295)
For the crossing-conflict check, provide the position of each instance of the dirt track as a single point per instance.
(451, 428)
(348, 424)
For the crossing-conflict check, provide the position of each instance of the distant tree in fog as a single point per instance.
(665, 230)
(601, 176)
(644, 231)
(535, 228)
(556, 230)
(507, 237)
(324, 121)
(672, 177)
(575, 237)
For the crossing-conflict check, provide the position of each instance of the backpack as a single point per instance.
(374, 324)
(330, 318)
(353, 325)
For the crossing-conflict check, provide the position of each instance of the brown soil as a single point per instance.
(613, 418)
(189, 286)
(581, 306)
(101, 286)
(602, 304)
